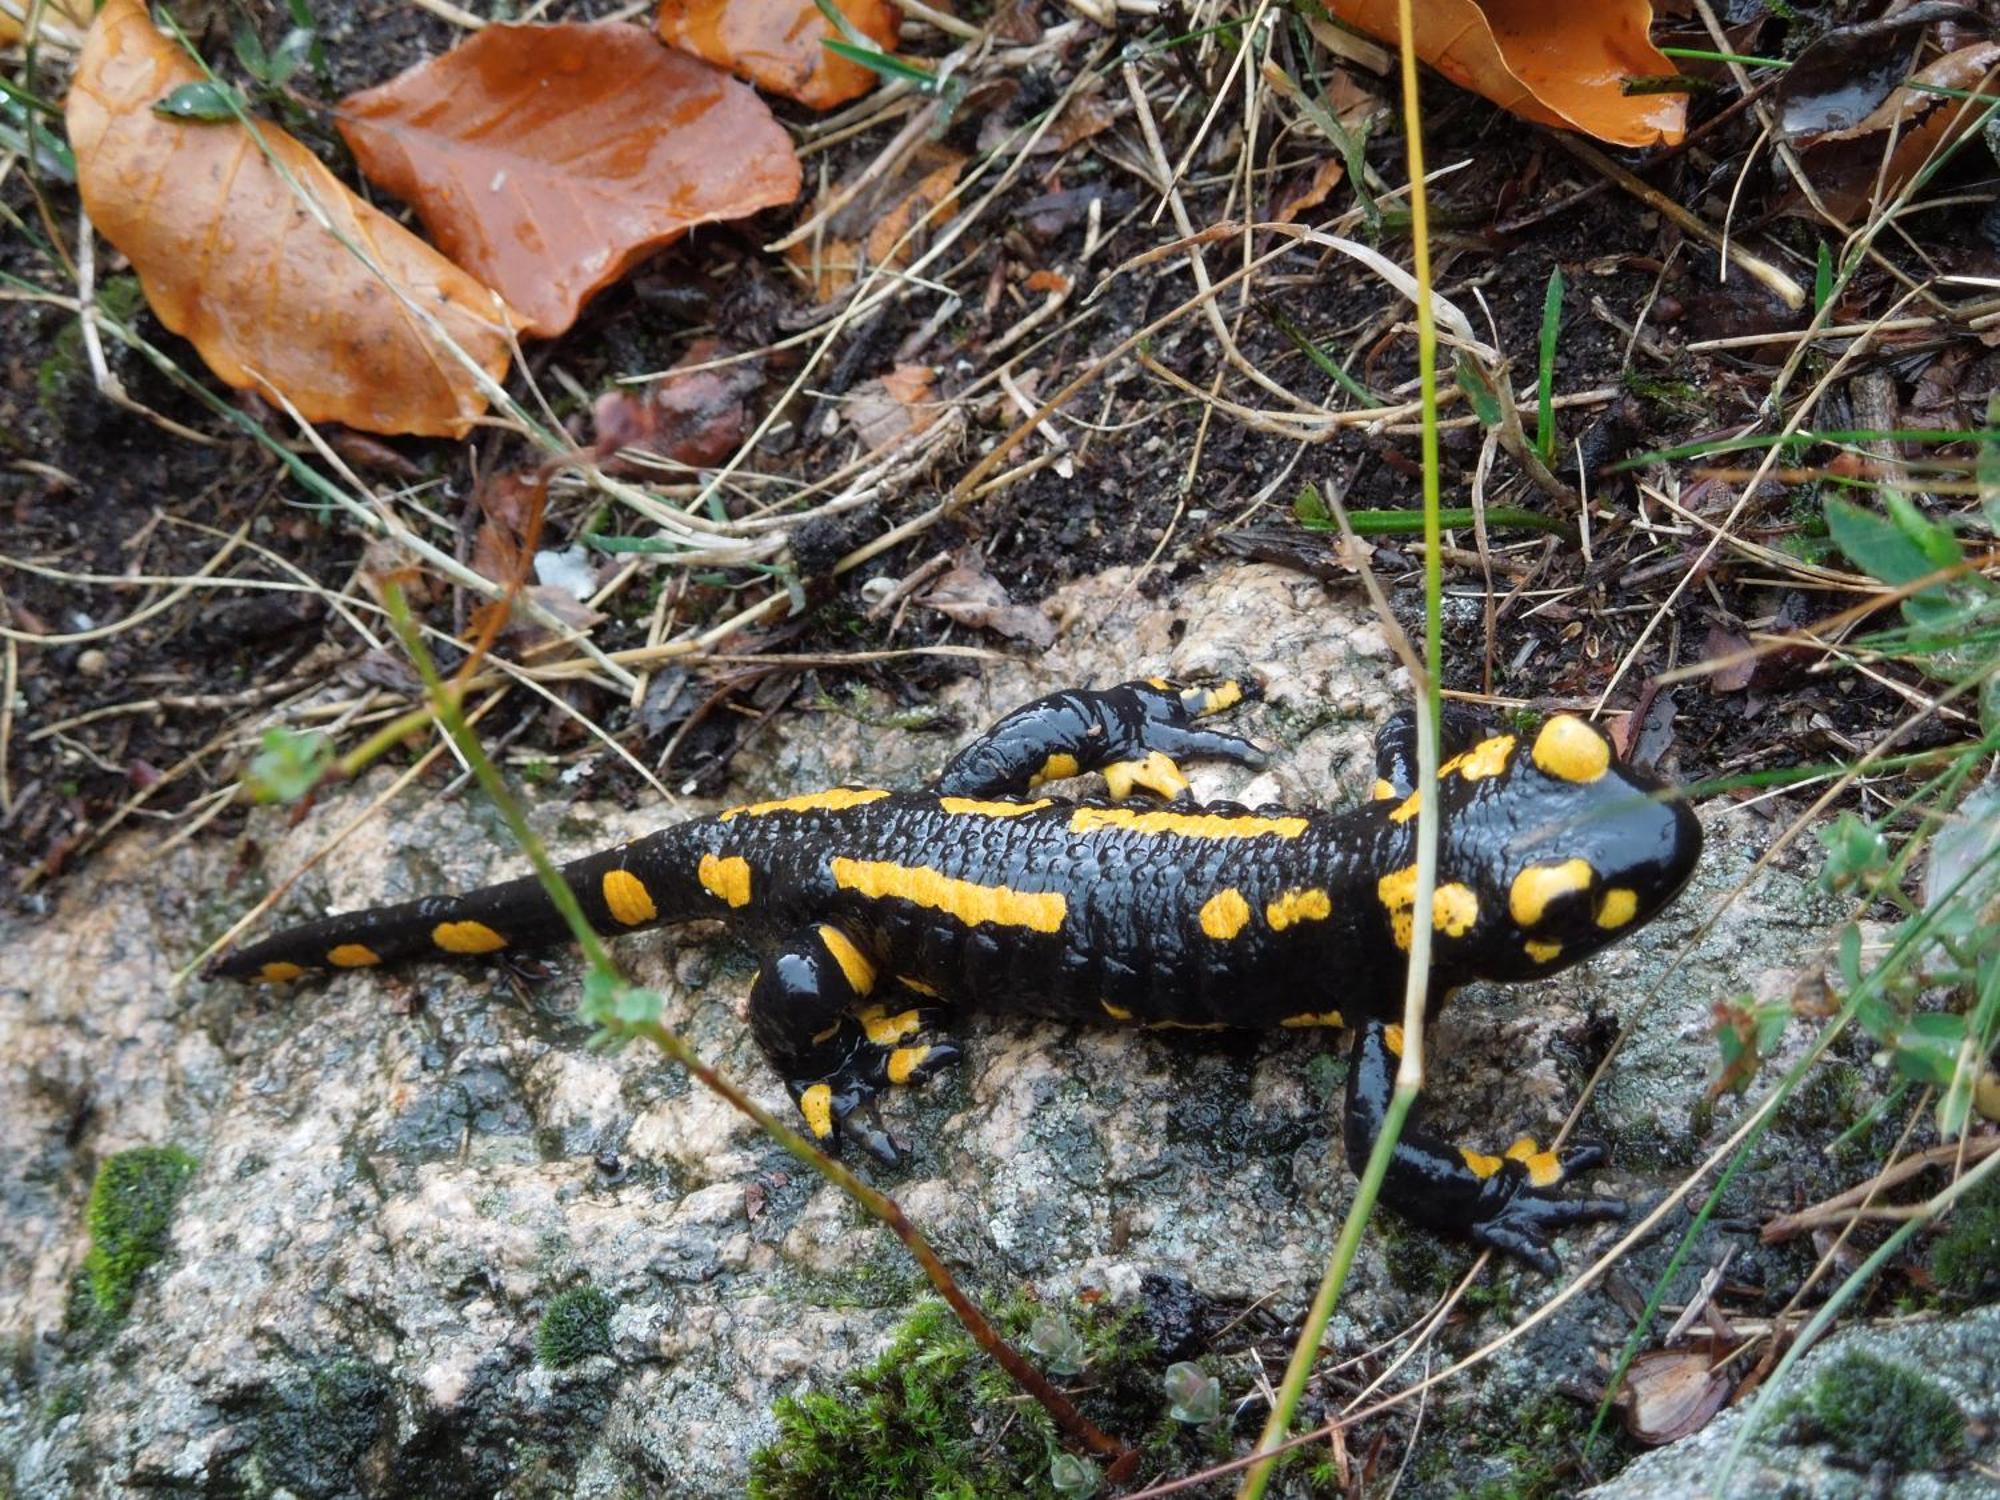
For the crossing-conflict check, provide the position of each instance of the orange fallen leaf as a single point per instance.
(776, 44)
(870, 229)
(74, 12)
(232, 257)
(892, 408)
(1557, 64)
(548, 159)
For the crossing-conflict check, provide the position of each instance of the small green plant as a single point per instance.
(130, 1211)
(575, 1326)
(1872, 1411)
(1545, 368)
(289, 766)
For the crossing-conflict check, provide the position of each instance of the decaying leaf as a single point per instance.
(1669, 1393)
(1847, 166)
(549, 159)
(776, 44)
(1559, 64)
(694, 416)
(225, 232)
(888, 410)
(866, 231)
(972, 596)
(1849, 70)
(74, 13)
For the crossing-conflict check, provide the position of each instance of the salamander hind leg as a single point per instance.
(1460, 730)
(1136, 734)
(812, 1011)
(1510, 1202)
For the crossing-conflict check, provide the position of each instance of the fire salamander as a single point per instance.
(872, 908)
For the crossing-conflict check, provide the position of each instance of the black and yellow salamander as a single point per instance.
(872, 908)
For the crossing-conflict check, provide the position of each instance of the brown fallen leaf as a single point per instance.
(548, 159)
(888, 410)
(1564, 65)
(1302, 197)
(866, 231)
(1847, 166)
(232, 256)
(776, 44)
(1669, 1393)
(693, 416)
(972, 596)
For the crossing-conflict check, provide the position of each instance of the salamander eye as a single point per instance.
(1570, 750)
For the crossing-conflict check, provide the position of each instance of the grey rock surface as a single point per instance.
(399, 1170)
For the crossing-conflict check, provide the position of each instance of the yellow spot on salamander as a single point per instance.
(973, 808)
(1617, 907)
(1225, 914)
(1478, 1163)
(1487, 758)
(1187, 825)
(1116, 1012)
(971, 903)
(1544, 1167)
(827, 1034)
(467, 937)
(1409, 808)
(1543, 951)
(726, 876)
(1384, 791)
(1454, 909)
(352, 956)
(1314, 1018)
(816, 1104)
(885, 1030)
(1157, 773)
(853, 962)
(1535, 887)
(1310, 905)
(918, 985)
(1392, 1038)
(1219, 699)
(839, 799)
(280, 972)
(1570, 750)
(1056, 768)
(904, 1061)
(627, 897)
(1159, 683)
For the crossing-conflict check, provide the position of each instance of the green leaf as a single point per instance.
(1478, 390)
(1856, 851)
(1927, 1046)
(249, 48)
(1070, 1475)
(1823, 277)
(1545, 411)
(206, 100)
(1059, 1345)
(1311, 510)
(289, 766)
(1876, 545)
(1193, 1397)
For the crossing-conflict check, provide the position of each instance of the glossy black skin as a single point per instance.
(1131, 942)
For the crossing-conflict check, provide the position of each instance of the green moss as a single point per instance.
(1873, 1411)
(1965, 1260)
(575, 1326)
(313, 1429)
(131, 1209)
(62, 369)
(934, 1417)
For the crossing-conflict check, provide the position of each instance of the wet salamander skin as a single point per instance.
(872, 908)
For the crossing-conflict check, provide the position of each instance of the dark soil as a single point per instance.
(91, 489)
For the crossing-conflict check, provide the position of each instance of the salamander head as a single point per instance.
(1568, 849)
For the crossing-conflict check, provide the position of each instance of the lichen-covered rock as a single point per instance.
(402, 1174)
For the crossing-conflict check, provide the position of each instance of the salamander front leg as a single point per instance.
(1507, 1202)
(809, 1011)
(1135, 733)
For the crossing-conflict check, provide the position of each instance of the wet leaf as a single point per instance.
(1840, 79)
(888, 410)
(1669, 1393)
(206, 99)
(1561, 65)
(548, 159)
(221, 227)
(972, 596)
(778, 44)
(694, 416)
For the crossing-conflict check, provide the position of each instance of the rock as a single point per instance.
(398, 1172)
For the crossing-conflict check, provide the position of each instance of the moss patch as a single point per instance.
(934, 1417)
(1872, 1411)
(130, 1212)
(1965, 1260)
(576, 1325)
